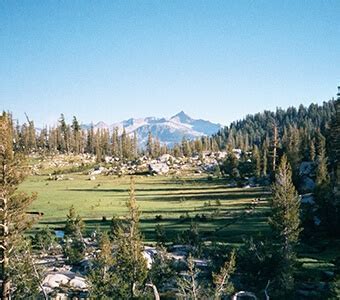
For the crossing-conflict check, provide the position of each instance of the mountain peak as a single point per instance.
(182, 117)
(101, 125)
(181, 113)
(168, 131)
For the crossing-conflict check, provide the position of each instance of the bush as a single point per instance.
(158, 217)
(182, 199)
(73, 169)
(44, 239)
(75, 251)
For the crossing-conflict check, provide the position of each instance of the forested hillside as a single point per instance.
(259, 128)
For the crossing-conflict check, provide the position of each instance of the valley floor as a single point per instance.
(223, 213)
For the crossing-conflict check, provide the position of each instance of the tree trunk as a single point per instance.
(274, 147)
(6, 284)
(244, 294)
(266, 290)
(155, 291)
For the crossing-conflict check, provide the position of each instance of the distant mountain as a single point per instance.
(168, 131)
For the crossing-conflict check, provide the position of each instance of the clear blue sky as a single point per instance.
(217, 60)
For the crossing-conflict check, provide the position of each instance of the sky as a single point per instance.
(217, 60)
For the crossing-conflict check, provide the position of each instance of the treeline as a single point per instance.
(300, 133)
(71, 138)
(290, 128)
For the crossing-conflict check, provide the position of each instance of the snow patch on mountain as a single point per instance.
(168, 131)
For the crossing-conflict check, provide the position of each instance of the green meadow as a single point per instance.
(222, 213)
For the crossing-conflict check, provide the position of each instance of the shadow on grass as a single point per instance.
(200, 197)
(168, 189)
(227, 228)
(203, 196)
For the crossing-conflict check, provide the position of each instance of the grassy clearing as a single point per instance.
(228, 217)
(173, 198)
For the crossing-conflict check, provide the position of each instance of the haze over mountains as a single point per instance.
(168, 131)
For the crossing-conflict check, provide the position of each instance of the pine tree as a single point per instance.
(149, 145)
(257, 158)
(25, 275)
(44, 240)
(90, 140)
(98, 149)
(189, 286)
(177, 151)
(130, 265)
(293, 150)
(230, 164)
(135, 145)
(312, 150)
(14, 219)
(76, 135)
(31, 139)
(162, 271)
(75, 246)
(186, 149)
(327, 210)
(156, 148)
(221, 279)
(285, 222)
(101, 279)
(274, 146)
(74, 223)
(115, 143)
(322, 176)
(125, 145)
(120, 269)
(64, 132)
(264, 162)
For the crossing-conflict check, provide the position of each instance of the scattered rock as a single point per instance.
(78, 282)
(158, 168)
(55, 280)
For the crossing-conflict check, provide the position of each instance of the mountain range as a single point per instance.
(168, 131)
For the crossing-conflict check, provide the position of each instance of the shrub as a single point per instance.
(158, 217)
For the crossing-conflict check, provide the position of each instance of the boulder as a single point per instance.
(158, 168)
(147, 256)
(55, 280)
(98, 171)
(165, 158)
(78, 282)
(210, 167)
(222, 154)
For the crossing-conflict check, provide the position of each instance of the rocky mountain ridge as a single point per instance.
(168, 131)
